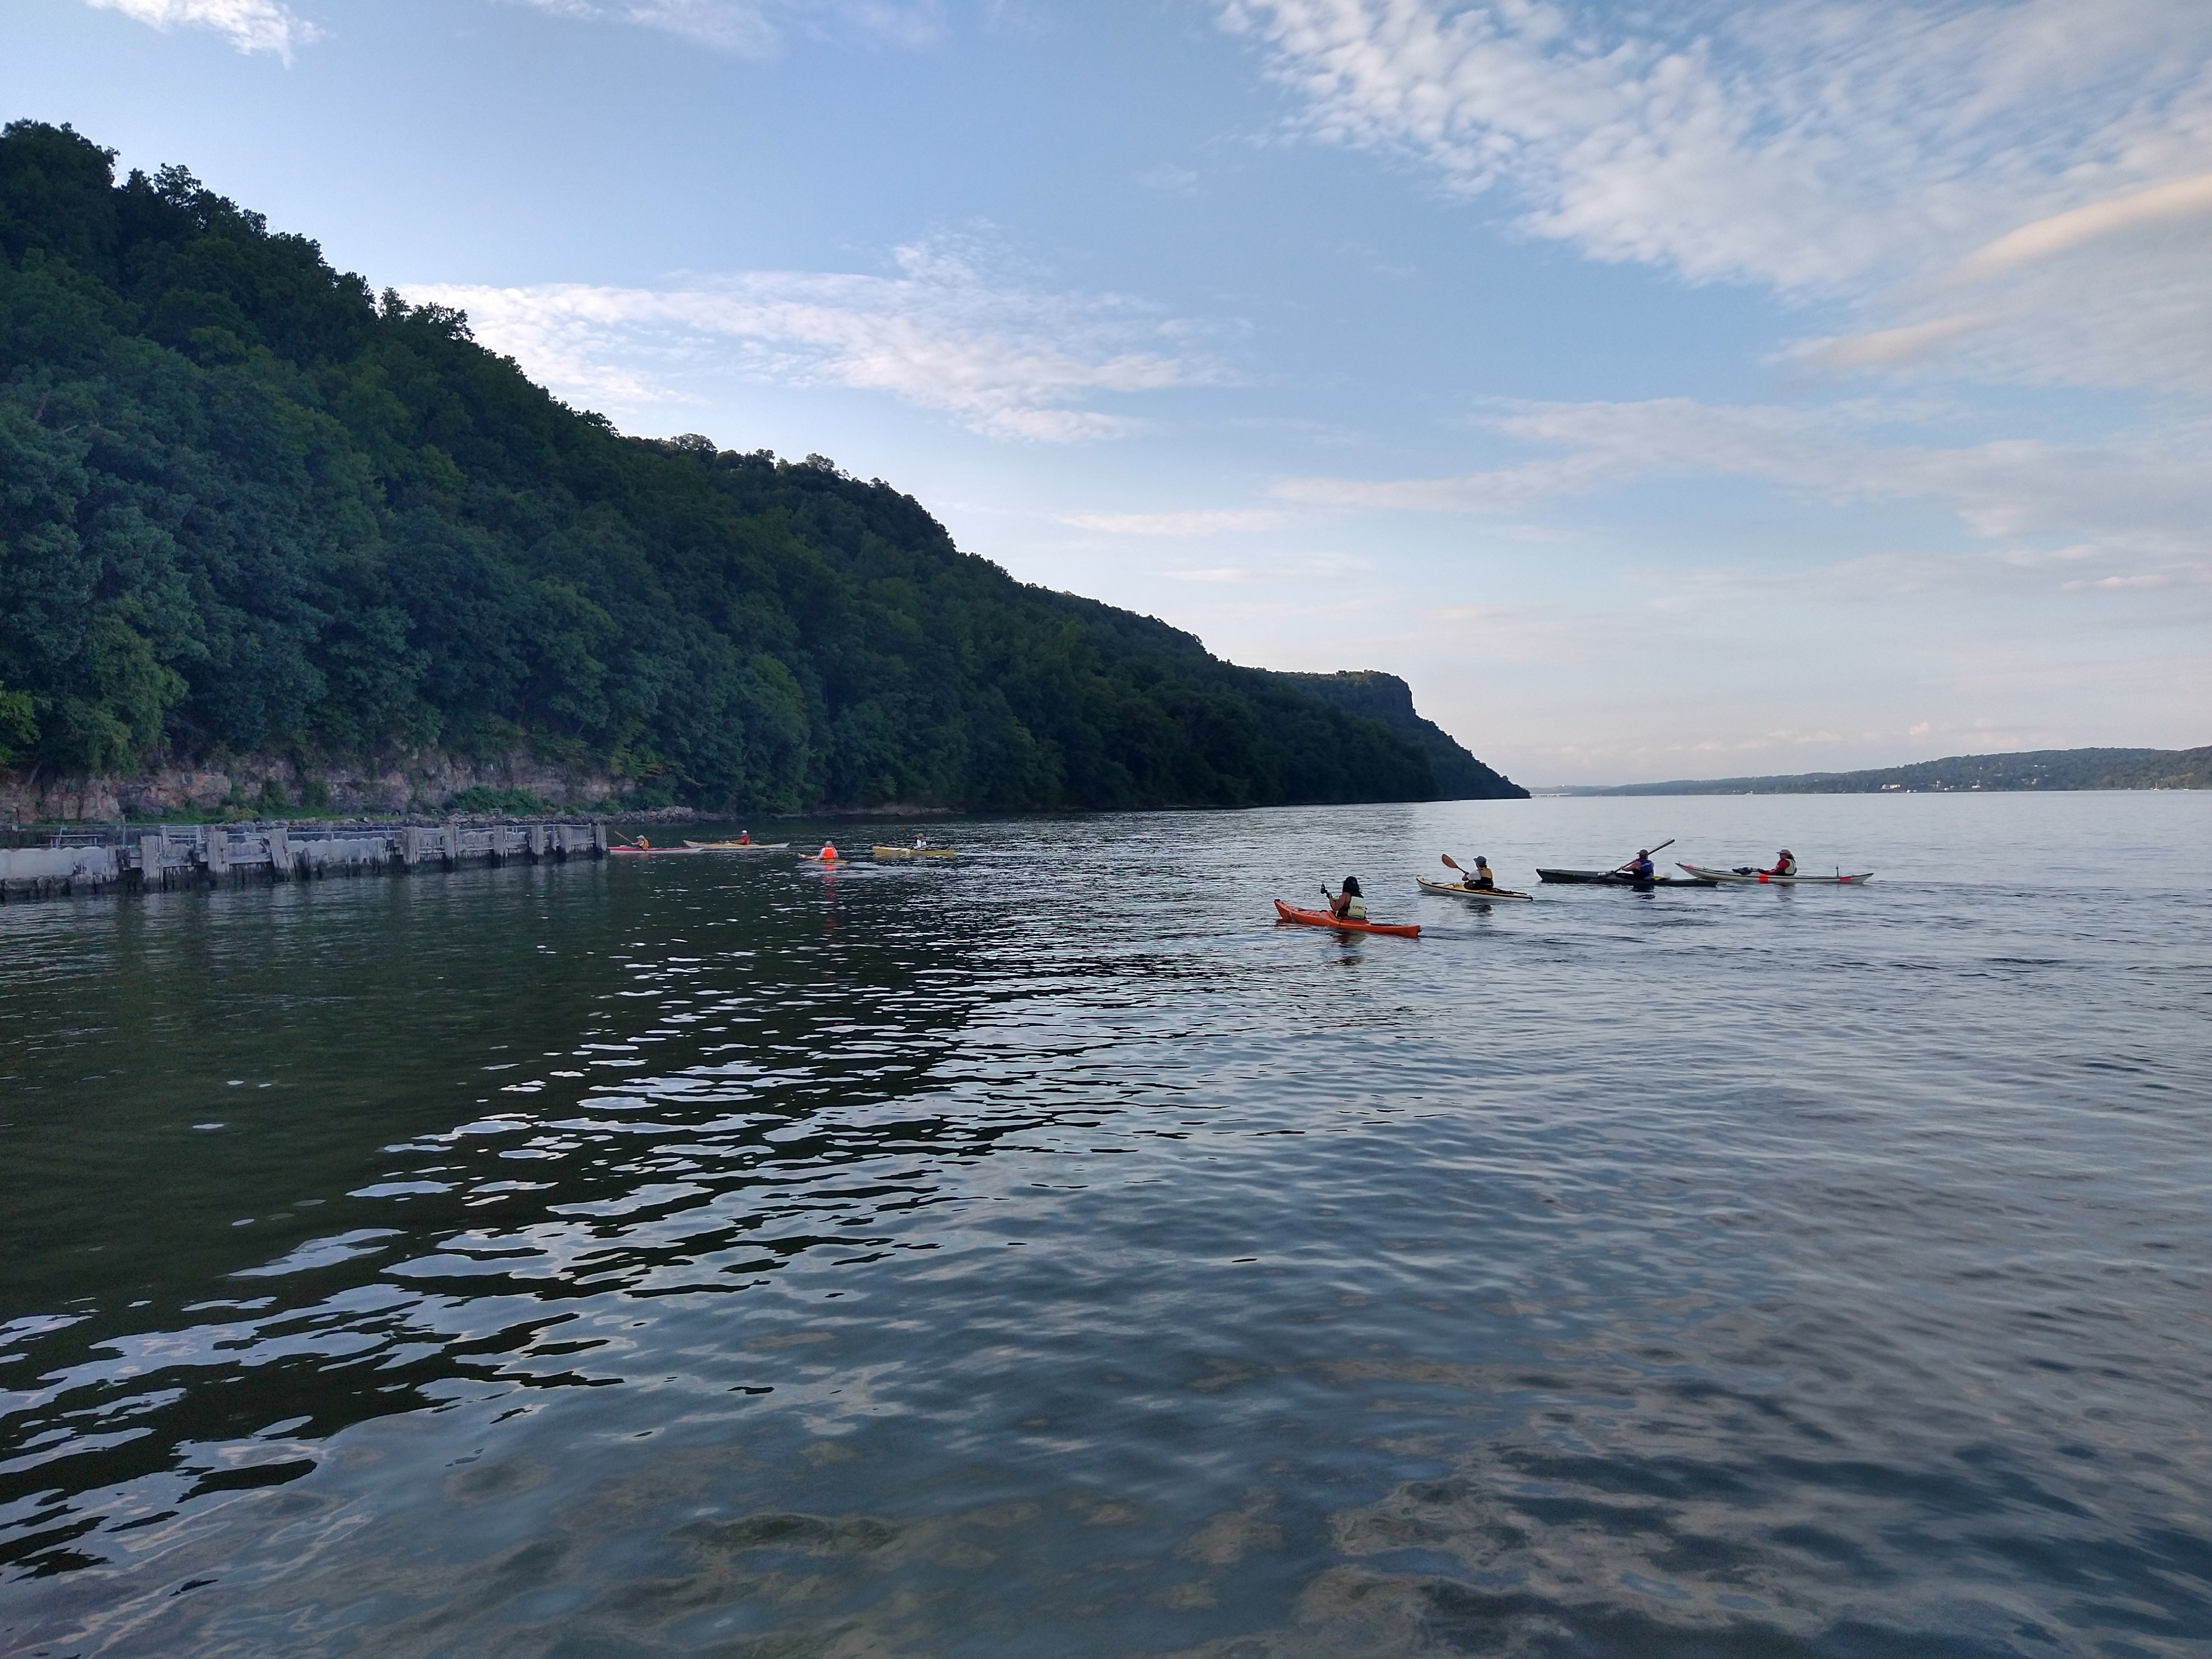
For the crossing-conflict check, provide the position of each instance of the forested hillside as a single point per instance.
(248, 505)
(1386, 698)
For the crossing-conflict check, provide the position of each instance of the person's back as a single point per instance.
(1640, 866)
(1349, 905)
(1480, 876)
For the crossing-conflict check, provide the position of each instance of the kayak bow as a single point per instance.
(1323, 918)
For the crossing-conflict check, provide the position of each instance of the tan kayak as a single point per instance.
(894, 854)
(1480, 894)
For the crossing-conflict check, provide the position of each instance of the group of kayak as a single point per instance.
(1348, 906)
(745, 843)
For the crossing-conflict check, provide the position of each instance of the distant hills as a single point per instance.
(255, 515)
(2040, 768)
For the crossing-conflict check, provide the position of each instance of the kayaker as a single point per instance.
(829, 854)
(1639, 867)
(744, 837)
(1349, 905)
(1784, 865)
(918, 843)
(1480, 876)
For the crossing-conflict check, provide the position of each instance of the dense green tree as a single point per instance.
(246, 504)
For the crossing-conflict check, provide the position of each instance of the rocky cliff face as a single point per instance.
(423, 780)
(1376, 695)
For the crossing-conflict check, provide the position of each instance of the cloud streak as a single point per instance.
(1205, 522)
(251, 25)
(2145, 496)
(1871, 151)
(1007, 362)
(756, 28)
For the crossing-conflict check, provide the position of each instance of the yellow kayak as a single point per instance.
(892, 855)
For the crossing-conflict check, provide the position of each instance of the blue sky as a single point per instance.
(1665, 391)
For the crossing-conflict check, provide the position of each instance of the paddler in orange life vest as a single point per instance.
(1349, 905)
(829, 854)
(1784, 865)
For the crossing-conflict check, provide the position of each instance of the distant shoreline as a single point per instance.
(2033, 770)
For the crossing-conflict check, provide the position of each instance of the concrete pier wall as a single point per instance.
(203, 854)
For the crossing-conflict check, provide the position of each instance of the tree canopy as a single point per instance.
(248, 505)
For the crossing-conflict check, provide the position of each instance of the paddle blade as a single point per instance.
(1448, 865)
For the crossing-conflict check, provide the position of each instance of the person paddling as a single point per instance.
(1784, 865)
(1479, 878)
(1639, 867)
(1349, 905)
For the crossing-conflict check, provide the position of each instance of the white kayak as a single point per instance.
(1483, 894)
(1760, 878)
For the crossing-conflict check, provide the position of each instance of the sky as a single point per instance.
(1670, 389)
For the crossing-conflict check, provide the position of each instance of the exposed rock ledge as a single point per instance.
(392, 783)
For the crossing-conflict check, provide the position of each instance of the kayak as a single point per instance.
(890, 853)
(1480, 894)
(1760, 878)
(737, 846)
(651, 852)
(1615, 878)
(1323, 918)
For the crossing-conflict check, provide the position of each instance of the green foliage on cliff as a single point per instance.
(246, 504)
(1387, 699)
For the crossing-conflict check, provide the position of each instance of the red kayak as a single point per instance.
(1323, 918)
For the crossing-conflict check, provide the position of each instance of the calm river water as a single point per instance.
(1051, 1256)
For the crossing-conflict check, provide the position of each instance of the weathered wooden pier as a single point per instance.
(214, 854)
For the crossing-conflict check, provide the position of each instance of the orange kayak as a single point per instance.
(1323, 918)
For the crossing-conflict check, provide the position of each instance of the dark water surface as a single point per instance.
(1049, 1256)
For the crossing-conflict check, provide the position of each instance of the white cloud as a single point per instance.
(754, 29)
(2146, 496)
(1852, 149)
(2189, 198)
(1202, 523)
(252, 25)
(1009, 362)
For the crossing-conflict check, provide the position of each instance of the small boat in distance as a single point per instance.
(1479, 895)
(1325, 918)
(738, 846)
(644, 850)
(1762, 879)
(894, 854)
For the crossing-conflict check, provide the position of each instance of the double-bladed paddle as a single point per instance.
(1660, 847)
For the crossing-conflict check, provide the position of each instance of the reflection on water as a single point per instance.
(1049, 1256)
